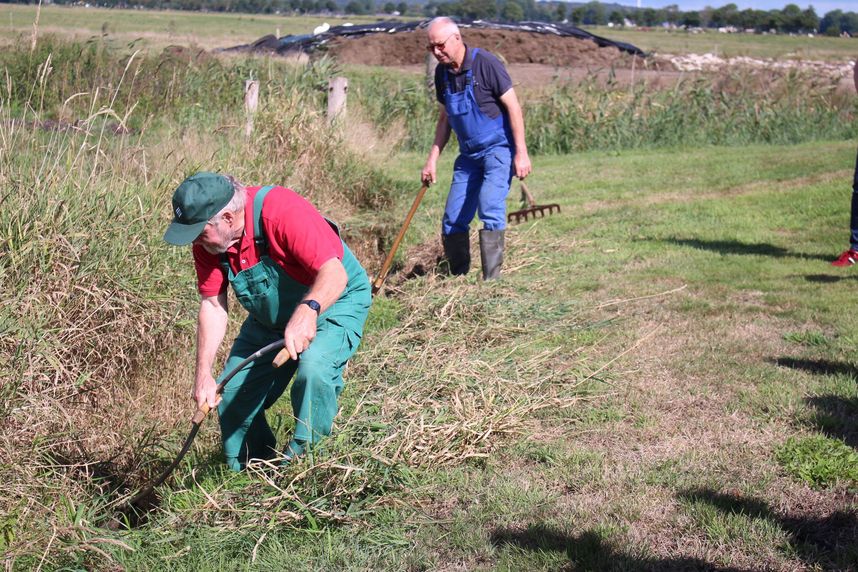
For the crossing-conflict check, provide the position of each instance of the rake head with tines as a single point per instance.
(532, 208)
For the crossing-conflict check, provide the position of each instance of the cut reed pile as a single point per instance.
(453, 380)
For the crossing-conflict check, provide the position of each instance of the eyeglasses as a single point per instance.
(431, 47)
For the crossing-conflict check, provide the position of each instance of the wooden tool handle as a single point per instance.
(281, 357)
(200, 414)
(531, 202)
(385, 268)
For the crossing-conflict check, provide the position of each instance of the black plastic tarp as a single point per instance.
(308, 43)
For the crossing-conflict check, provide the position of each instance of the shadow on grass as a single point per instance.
(829, 543)
(590, 551)
(818, 366)
(737, 247)
(837, 417)
(827, 278)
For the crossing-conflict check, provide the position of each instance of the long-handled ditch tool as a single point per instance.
(385, 268)
(532, 208)
(201, 413)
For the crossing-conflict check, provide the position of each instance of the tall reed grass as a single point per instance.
(739, 107)
(97, 314)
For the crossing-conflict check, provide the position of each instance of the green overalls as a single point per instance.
(270, 296)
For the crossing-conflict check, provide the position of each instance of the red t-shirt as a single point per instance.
(299, 239)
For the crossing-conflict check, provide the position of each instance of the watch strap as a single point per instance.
(314, 305)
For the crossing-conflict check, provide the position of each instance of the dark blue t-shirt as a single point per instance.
(491, 80)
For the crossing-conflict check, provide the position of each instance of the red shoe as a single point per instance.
(848, 258)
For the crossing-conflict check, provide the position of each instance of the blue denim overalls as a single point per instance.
(483, 170)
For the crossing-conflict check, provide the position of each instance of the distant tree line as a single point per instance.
(791, 19)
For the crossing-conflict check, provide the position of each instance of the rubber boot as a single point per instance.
(457, 249)
(491, 253)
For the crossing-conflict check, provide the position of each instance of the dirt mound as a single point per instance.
(409, 48)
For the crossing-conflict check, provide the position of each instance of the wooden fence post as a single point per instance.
(338, 88)
(251, 102)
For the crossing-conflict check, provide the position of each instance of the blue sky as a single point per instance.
(821, 7)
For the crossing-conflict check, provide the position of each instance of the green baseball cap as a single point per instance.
(195, 202)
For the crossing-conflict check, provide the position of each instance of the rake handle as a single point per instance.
(531, 202)
(385, 268)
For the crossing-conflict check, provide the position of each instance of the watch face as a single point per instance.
(314, 305)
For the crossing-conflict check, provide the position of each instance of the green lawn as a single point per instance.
(664, 379)
(695, 286)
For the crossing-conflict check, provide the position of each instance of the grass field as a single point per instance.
(708, 296)
(664, 379)
(693, 356)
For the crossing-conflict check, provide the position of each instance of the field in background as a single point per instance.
(776, 46)
(158, 29)
(664, 379)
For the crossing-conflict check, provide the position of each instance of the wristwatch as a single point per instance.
(314, 305)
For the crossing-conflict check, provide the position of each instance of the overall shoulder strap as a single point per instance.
(448, 81)
(259, 239)
(469, 75)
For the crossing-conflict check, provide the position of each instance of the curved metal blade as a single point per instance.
(172, 466)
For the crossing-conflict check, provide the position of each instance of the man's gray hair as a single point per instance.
(445, 22)
(236, 203)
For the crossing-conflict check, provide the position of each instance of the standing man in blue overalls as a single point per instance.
(479, 104)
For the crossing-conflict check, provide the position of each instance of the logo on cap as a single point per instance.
(179, 212)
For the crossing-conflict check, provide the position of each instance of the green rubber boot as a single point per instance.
(491, 253)
(457, 249)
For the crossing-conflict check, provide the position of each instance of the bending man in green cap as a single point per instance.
(298, 281)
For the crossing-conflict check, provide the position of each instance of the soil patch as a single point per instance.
(409, 48)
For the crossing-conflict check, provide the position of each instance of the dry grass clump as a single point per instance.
(457, 384)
